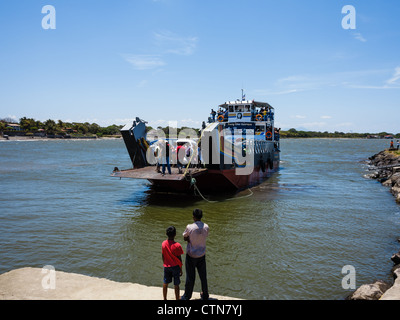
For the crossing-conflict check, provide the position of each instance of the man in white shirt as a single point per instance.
(196, 234)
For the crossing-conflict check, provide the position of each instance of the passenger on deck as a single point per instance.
(200, 159)
(165, 158)
(264, 113)
(180, 155)
(213, 113)
(253, 113)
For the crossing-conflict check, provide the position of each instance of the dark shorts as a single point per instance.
(172, 272)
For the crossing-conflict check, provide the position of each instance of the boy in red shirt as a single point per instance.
(171, 255)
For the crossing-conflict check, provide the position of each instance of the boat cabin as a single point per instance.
(243, 111)
(246, 114)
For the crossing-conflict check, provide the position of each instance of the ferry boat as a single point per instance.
(237, 148)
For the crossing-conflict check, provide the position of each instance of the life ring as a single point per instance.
(269, 135)
(220, 118)
(259, 117)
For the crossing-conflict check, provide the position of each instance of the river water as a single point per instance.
(288, 240)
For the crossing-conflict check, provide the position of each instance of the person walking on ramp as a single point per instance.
(195, 235)
(172, 262)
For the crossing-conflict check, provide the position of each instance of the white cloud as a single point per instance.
(394, 80)
(12, 117)
(173, 43)
(346, 79)
(145, 61)
(359, 37)
(142, 84)
(326, 117)
(263, 92)
(392, 83)
(299, 117)
(167, 43)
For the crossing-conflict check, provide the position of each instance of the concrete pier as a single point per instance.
(41, 284)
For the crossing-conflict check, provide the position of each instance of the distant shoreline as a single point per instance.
(32, 138)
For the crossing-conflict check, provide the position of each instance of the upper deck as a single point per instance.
(243, 111)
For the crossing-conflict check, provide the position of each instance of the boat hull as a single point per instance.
(228, 180)
(216, 181)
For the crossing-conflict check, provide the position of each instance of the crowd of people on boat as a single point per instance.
(180, 155)
(257, 113)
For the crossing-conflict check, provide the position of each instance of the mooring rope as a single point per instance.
(193, 180)
(193, 183)
(197, 148)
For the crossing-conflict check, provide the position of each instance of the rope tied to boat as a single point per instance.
(197, 148)
(193, 180)
(193, 183)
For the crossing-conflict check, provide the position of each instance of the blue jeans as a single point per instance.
(191, 264)
(168, 166)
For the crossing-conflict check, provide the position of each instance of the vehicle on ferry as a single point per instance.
(238, 148)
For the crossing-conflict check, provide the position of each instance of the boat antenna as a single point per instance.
(243, 96)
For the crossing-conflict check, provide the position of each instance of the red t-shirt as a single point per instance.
(171, 250)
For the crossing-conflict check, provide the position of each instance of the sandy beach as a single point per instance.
(38, 284)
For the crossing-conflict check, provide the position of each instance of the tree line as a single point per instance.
(293, 133)
(59, 127)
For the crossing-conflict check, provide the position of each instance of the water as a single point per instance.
(289, 240)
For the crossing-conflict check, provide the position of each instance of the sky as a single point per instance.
(109, 61)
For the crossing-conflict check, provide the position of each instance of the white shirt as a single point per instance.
(197, 233)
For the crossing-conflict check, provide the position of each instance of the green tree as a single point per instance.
(50, 126)
(2, 126)
(27, 124)
(94, 128)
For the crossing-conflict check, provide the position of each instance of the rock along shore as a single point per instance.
(387, 170)
(386, 167)
(38, 284)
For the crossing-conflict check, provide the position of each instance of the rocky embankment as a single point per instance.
(387, 170)
(386, 167)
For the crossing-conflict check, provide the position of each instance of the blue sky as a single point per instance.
(173, 60)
